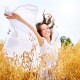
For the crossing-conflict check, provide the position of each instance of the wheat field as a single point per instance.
(67, 66)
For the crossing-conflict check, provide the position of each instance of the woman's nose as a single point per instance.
(46, 29)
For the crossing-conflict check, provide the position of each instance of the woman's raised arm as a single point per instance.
(16, 16)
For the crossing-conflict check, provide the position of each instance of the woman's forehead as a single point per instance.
(44, 26)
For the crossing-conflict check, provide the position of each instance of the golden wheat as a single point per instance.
(66, 68)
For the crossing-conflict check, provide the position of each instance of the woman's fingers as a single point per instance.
(9, 17)
(12, 16)
(5, 14)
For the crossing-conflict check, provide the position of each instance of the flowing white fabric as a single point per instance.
(21, 38)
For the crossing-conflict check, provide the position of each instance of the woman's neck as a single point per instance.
(48, 40)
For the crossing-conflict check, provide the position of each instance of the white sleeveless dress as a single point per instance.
(50, 50)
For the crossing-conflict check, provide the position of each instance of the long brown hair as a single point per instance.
(46, 20)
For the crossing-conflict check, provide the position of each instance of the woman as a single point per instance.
(44, 36)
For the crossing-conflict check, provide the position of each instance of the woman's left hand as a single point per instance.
(13, 16)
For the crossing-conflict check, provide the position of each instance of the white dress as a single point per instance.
(50, 51)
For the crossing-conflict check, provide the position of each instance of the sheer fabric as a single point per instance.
(21, 38)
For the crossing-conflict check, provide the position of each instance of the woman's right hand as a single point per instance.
(13, 16)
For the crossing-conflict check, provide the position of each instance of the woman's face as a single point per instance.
(45, 31)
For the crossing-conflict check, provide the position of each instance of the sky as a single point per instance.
(65, 12)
